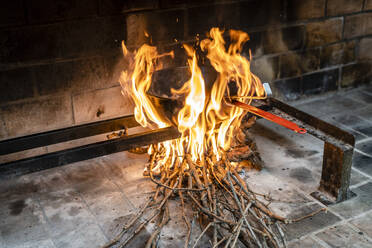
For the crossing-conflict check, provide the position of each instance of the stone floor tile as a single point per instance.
(360, 96)
(365, 112)
(357, 177)
(2, 243)
(367, 89)
(359, 204)
(301, 173)
(285, 199)
(50, 180)
(65, 212)
(332, 120)
(126, 171)
(354, 122)
(16, 188)
(87, 235)
(362, 163)
(87, 171)
(22, 223)
(357, 135)
(309, 108)
(312, 224)
(363, 160)
(278, 145)
(365, 146)
(46, 243)
(305, 243)
(363, 223)
(330, 105)
(344, 236)
(107, 203)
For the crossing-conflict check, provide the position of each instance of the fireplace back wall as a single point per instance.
(60, 60)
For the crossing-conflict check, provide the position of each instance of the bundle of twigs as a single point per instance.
(230, 213)
(216, 189)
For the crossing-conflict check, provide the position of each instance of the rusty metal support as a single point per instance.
(336, 170)
(66, 134)
(337, 157)
(59, 158)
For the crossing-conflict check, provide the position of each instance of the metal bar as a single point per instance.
(59, 158)
(316, 123)
(337, 156)
(66, 134)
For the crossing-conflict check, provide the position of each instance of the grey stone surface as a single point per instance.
(76, 76)
(321, 220)
(37, 115)
(362, 159)
(331, 105)
(356, 205)
(132, 182)
(304, 243)
(45, 243)
(3, 133)
(354, 122)
(344, 236)
(361, 96)
(69, 221)
(363, 223)
(365, 112)
(21, 221)
(100, 104)
(278, 145)
(332, 120)
(357, 177)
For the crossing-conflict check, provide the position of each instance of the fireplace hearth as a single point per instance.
(77, 199)
(73, 172)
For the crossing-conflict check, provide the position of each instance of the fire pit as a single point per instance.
(192, 164)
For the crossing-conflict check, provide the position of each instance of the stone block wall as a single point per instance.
(60, 60)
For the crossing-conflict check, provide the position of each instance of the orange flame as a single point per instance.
(205, 120)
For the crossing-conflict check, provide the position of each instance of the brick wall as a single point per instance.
(60, 60)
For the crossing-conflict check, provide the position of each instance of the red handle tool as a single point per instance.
(274, 118)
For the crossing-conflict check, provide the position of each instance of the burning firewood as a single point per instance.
(201, 169)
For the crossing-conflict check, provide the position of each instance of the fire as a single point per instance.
(206, 120)
(197, 166)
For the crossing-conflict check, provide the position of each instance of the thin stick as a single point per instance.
(189, 234)
(202, 233)
(206, 211)
(163, 222)
(219, 242)
(281, 234)
(156, 213)
(271, 234)
(237, 234)
(214, 207)
(259, 205)
(308, 215)
(241, 210)
(127, 226)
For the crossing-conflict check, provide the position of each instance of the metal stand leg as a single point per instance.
(335, 179)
